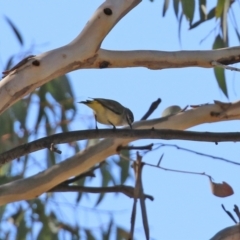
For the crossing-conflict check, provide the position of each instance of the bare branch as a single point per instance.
(127, 190)
(163, 59)
(129, 134)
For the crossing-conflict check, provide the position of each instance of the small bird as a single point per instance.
(110, 112)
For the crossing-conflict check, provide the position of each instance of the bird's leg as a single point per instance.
(96, 121)
(114, 128)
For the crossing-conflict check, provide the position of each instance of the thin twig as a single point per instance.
(217, 64)
(54, 149)
(146, 147)
(195, 152)
(127, 190)
(178, 171)
(160, 160)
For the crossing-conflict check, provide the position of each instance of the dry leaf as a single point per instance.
(221, 189)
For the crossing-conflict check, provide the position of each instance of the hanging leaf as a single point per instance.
(122, 234)
(219, 8)
(165, 7)
(22, 230)
(106, 179)
(219, 72)
(188, 7)
(15, 30)
(221, 79)
(209, 16)
(211, 13)
(20, 110)
(124, 166)
(89, 235)
(61, 91)
(176, 7)
(179, 27)
(202, 9)
(221, 189)
(197, 24)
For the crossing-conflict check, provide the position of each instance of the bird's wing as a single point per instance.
(110, 104)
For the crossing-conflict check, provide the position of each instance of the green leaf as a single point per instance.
(219, 8)
(20, 110)
(197, 23)
(202, 9)
(15, 30)
(106, 178)
(218, 43)
(22, 230)
(46, 233)
(165, 7)
(124, 166)
(211, 13)
(89, 235)
(61, 91)
(122, 234)
(219, 72)
(209, 16)
(188, 7)
(176, 7)
(220, 76)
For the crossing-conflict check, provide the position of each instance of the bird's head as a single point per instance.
(129, 117)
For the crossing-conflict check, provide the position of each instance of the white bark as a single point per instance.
(34, 186)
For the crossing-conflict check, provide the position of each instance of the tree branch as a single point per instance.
(162, 59)
(34, 186)
(79, 54)
(202, 114)
(166, 134)
(127, 190)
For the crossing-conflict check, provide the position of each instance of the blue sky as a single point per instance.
(184, 207)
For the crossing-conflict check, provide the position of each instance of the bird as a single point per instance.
(110, 112)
